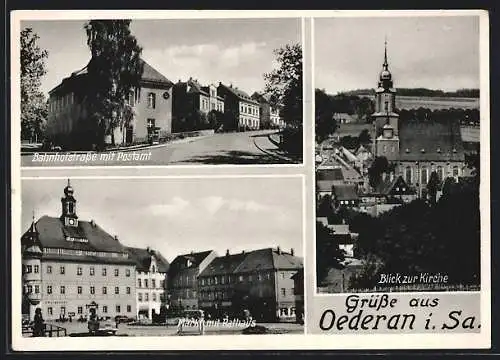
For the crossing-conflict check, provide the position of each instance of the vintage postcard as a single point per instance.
(362, 218)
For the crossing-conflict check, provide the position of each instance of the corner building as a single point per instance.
(69, 263)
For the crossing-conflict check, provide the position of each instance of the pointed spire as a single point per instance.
(386, 65)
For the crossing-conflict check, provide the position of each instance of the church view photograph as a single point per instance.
(397, 165)
(215, 91)
(162, 257)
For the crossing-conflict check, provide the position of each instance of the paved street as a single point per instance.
(229, 148)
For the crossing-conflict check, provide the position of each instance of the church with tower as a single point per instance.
(417, 148)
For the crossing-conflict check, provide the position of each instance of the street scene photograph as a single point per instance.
(161, 256)
(208, 91)
(397, 163)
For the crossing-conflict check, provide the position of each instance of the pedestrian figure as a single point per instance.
(39, 325)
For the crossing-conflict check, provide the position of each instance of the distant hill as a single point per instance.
(461, 93)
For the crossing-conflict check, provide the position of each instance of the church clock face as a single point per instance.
(71, 222)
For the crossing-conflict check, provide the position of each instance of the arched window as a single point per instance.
(424, 175)
(408, 175)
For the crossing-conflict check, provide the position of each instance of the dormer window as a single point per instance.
(189, 263)
(422, 151)
(407, 150)
(454, 150)
(439, 150)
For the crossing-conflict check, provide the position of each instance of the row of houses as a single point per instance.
(70, 265)
(159, 107)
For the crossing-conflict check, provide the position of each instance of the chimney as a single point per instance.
(278, 249)
(116, 237)
(292, 252)
(243, 252)
(227, 252)
(92, 223)
(148, 249)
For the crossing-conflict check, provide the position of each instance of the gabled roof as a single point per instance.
(269, 259)
(195, 257)
(345, 192)
(239, 93)
(223, 264)
(430, 141)
(195, 87)
(142, 257)
(151, 74)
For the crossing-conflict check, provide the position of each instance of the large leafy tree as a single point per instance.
(285, 83)
(34, 106)
(325, 124)
(115, 71)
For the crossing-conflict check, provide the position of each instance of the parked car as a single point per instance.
(107, 328)
(123, 319)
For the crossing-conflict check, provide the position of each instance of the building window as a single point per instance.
(36, 268)
(129, 308)
(440, 173)
(29, 289)
(49, 311)
(118, 308)
(117, 290)
(37, 289)
(103, 271)
(49, 289)
(49, 269)
(127, 272)
(80, 310)
(104, 290)
(146, 283)
(104, 309)
(154, 296)
(63, 310)
(79, 289)
(153, 269)
(63, 289)
(128, 290)
(216, 280)
(151, 100)
(408, 174)
(259, 277)
(455, 171)
(424, 175)
(153, 283)
(222, 279)
(62, 270)
(117, 272)
(92, 290)
(146, 297)
(78, 271)
(283, 292)
(283, 312)
(202, 282)
(139, 283)
(92, 271)
(29, 269)
(282, 275)
(139, 296)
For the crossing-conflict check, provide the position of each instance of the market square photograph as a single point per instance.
(397, 132)
(162, 256)
(161, 92)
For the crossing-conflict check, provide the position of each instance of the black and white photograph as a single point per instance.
(128, 92)
(162, 256)
(397, 132)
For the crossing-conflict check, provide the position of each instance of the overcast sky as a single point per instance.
(234, 51)
(432, 52)
(177, 216)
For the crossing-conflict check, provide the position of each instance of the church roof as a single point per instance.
(430, 141)
(52, 234)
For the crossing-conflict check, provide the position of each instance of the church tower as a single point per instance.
(68, 202)
(385, 100)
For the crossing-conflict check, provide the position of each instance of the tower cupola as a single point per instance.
(68, 203)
